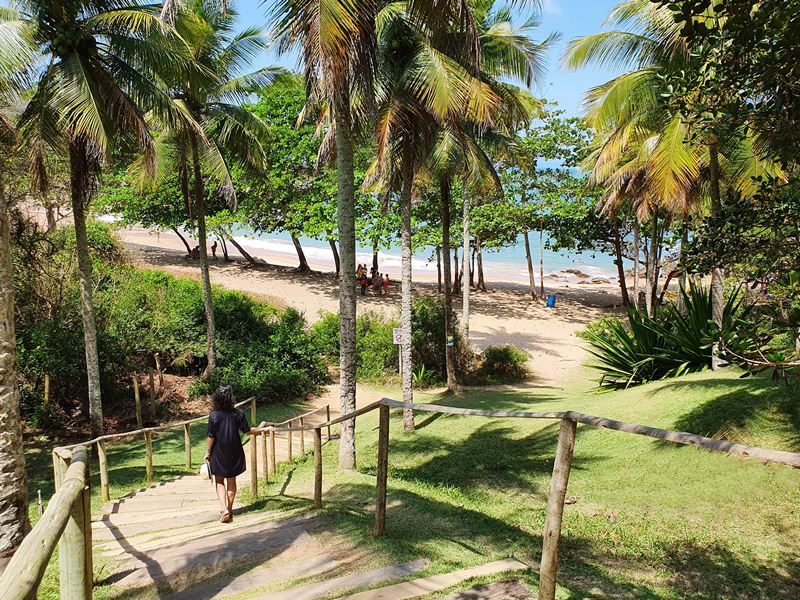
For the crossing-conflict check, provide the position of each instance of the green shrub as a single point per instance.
(671, 342)
(504, 364)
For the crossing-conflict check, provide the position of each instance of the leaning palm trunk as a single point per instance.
(405, 302)
(79, 183)
(444, 187)
(208, 300)
(717, 274)
(465, 257)
(13, 486)
(347, 278)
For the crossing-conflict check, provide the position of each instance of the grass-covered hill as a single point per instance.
(651, 520)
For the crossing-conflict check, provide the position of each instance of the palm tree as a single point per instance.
(646, 153)
(17, 54)
(100, 65)
(214, 128)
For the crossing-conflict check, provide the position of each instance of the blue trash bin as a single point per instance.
(551, 301)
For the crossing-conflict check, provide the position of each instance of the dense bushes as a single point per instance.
(504, 364)
(141, 313)
(672, 342)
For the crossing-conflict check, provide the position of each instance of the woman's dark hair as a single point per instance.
(222, 398)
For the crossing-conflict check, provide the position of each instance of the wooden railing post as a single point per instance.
(264, 456)
(272, 451)
(187, 445)
(555, 510)
(151, 408)
(74, 548)
(254, 466)
(318, 468)
(137, 400)
(383, 471)
(148, 457)
(302, 438)
(253, 412)
(291, 440)
(328, 418)
(105, 495)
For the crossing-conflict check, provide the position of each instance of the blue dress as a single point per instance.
(227, 454)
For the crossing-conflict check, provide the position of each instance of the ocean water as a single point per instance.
(507, 264)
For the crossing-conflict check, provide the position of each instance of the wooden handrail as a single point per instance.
(25, 569)
(311, 412)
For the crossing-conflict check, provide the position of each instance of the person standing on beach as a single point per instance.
(225, 453)
(377, 283)
(362, 282)
(214, 250)
(385, 284)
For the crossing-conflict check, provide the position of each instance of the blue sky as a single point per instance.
(571, 18)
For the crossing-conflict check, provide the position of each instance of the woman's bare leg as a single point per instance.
(231, 481)
(221, 494)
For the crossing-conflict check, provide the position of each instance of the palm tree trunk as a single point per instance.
(717, 274)
(183, 239)
(335, 252)
(205, 276)
(347, 278)
(406, 298)
(301, 256)
(636, 258)
(14, 522)
(684, 277)
(472, 268)
(465, 290)
(541, 262)
(652, 270)
(529, 260)
(481, 281)
(79, 184)
(456, 277)
(439, 269)
(623, 285)
(444, 188)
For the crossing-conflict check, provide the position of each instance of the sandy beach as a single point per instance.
(502, 315)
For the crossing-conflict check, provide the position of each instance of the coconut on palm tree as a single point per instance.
(99, 73)
(214, 128)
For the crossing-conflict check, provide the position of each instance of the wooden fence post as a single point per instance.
(187, 445)
(105, 496)
(289, 435)
(383, 471)
(46, 401)
(555, 510)
(75, 578)
(272, 451)
(148, 456)
(254, 466)
(88, 580)
(151, 409)
(318, 468)
(253, 412)
(328, 418)
(137, 401)
(302, 438)
(264, 456)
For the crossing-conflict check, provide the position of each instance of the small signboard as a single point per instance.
(397, 335)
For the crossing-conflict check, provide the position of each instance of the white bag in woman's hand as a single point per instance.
(205, 470)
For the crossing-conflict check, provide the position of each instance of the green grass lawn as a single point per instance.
(126, 470)
(652, 520)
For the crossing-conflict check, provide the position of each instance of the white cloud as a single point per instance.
(550, 7)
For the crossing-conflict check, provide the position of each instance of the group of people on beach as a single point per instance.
(379, 281)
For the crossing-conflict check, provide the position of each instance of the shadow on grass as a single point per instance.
(740, 405)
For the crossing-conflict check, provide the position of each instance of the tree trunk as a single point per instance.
(247, 256)
(439, 269)
(51, 217)
(456, 277)
(79, 184)
(530, 267)
(465, 290)
(472, 268)
(375, 259)
(652, 267)
(14, 522)
(406, 299)
(717, 274)
(444, 188)
(335, 252)
(301, 256)
(481, 281)
(224, 245)
(623, 285)
(183, 239)
(636, 264)
(347, 279)
(541, 263)
(205, 276)
(684, 276)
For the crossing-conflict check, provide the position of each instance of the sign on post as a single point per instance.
(398, 336)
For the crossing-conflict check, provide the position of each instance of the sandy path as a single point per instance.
(502, 315)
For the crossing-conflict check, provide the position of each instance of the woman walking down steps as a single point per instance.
(225, 455)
